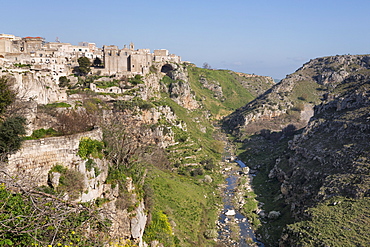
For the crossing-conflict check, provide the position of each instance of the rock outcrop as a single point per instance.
(292, 100)
(180, 90)
(330, 157)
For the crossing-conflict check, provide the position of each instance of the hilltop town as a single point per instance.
(60, 58)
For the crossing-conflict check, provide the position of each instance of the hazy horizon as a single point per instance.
(272, 38)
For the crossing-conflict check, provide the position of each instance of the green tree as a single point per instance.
(7, 95)
(83, 66)
(11, 131)
(64, 81)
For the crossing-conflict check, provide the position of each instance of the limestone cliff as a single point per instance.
(291, 101)
(180, 90)
(330, 157)
(306, 173)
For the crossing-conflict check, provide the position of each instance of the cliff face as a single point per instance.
(317, 167)
(291, 101)
(330, 158)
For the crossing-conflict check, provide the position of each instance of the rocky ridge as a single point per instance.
(292, 99)
(330, 157)
(321, 164)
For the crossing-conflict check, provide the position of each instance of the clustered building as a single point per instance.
(60, 58)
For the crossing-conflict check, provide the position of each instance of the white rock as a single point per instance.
(230, 212)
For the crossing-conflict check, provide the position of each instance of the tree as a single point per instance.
(83, 66)
(30, 217)
(64, 81)
(7, 95)
(11, 131)
(206, 66)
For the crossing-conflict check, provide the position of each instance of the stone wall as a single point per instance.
(36, 157)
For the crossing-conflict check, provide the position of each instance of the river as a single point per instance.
(234, 228)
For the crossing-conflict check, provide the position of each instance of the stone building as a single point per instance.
(61, 58)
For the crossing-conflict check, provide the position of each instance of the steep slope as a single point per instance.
(156, 140)
(330, 165)
(292, 100)
(318, 177)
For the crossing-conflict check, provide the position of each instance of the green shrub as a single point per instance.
(64, 81)
(11, 131)
(30, 219)
(130, 105)
(58, 105)
(70, 181)
(137, 79)
(89, 147)
(19, 65)
(107, 84)
(159, 229)
(42, 133)
(180, 135)
(7, 95)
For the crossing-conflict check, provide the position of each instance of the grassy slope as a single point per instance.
(335, 222)
(190, 204)
(233, 91)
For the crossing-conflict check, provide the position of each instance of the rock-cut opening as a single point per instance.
(166, 68)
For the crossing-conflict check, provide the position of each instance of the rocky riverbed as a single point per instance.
(234, 228)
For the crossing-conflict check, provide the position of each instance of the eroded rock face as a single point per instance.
(330, 157)
(40, 87)
(298, 92)
(181, 93)
(214, 86)
(180, 90)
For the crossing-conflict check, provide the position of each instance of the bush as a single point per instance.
(159, 229)
(211, 233)
(197, 172)
(7, 96)
(58, 105)
(11, 131)
(29, 219)
(89, 147)
(71, 122)
(70, 181)
(123, 105)
(64, 81)
(42, 133)
(137, 79)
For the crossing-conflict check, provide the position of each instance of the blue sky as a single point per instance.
(265, 37)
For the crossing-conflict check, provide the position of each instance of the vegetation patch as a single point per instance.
(57, 105)
(123, 105)
(336, 222)
(190, 207)
(42, 133)
(90, 148)
(34, 219)
(70, 181)
(235, 95)
(11, 132)
(160, 229)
